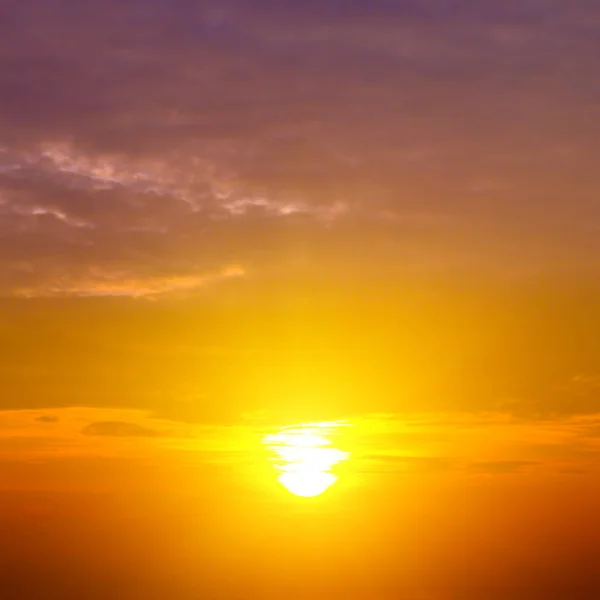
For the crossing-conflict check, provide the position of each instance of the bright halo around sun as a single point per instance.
(304, 457)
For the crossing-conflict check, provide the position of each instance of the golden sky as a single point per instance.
(252, 251)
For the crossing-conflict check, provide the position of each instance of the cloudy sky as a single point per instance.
(220, 217)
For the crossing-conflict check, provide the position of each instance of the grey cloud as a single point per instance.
(46, 419)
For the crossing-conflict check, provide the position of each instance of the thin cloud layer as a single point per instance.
(143, 135)
(102, 283)
(422, 445)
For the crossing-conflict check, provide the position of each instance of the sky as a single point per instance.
(221, 218)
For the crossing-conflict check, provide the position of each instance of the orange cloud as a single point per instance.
(100, 282)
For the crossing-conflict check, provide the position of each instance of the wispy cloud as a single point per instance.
(134, 154)
(101, 282)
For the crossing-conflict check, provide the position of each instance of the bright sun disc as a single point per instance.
(304, 457)
(307, 484)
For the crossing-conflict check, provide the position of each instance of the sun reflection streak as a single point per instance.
(304, 457)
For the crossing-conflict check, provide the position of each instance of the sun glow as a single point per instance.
(304, 456)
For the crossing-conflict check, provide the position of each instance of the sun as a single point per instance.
(304, 457)
(307, 483)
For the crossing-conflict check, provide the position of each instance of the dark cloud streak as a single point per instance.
(118, 429)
